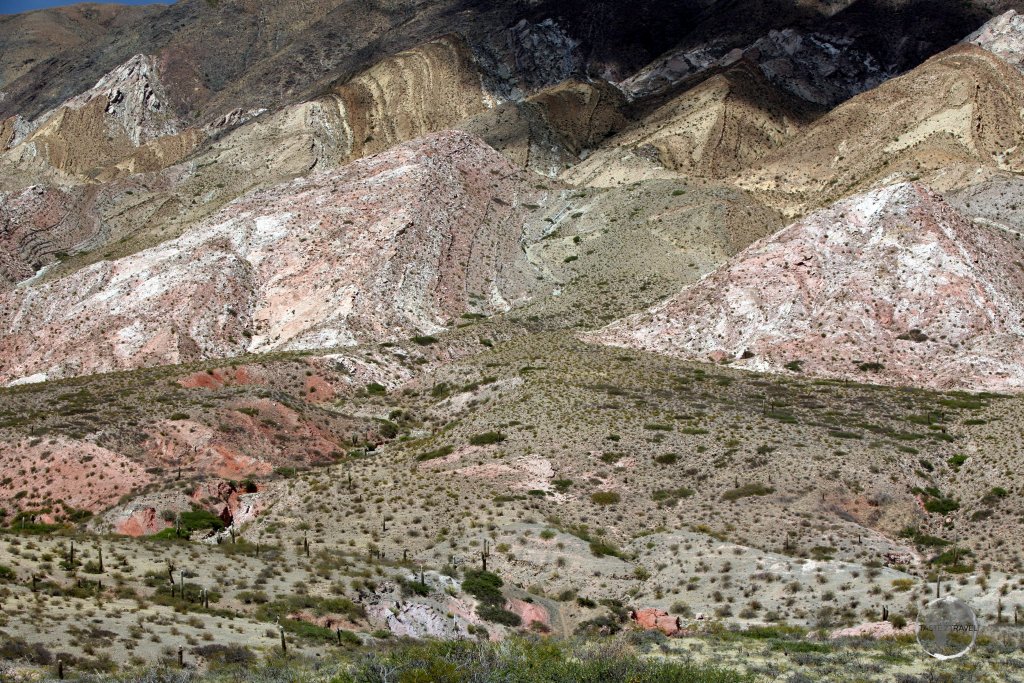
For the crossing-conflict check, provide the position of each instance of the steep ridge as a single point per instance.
(1003, 36)
(222, 57)
(960, 107)
(383, 249)
(725, 123)
(432, 87)
(425, 89)
(125, 111)
(889, 287)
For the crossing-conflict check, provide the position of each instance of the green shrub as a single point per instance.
(941, 506)
(484, 586)
(605, 497)
(748, 490)
(533, 660)
(487, 438)
(956, 460)
(670, 497)
(601, 548)
(435, 454)
(499, 615)
(424, 340)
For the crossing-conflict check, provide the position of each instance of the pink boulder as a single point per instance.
(651, 619)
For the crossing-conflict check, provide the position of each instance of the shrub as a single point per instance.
(225, 654)
(434, 454)
(484, 586)
(602, 548)
(499, 615)
(487, 438)
(670, 497)
(527, 660)
(424, 339)
(748, 490)
(941, 506)
(666, 459)
(605, 497)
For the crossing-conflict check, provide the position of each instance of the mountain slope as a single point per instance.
(958, 107)
(383, 249)
(32, 37)
(722, 125)
(890, 287)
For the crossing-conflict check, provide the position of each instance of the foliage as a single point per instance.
(747, 490)
(487, 438)
(605, 497)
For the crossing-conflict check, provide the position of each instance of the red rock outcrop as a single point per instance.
(653, 619)
(529, 612)
(890, 287)
(143, 521)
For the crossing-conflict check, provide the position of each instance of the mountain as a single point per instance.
(891, 287)
(330, 329)
(724, 124)
(32, 37)
(388, 248)
(958, 108)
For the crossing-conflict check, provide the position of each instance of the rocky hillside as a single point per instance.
(723, 125)
(890, 287)
(339, 324)
(959, 108)
(394, 246)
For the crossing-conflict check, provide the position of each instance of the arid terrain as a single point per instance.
(454, 340)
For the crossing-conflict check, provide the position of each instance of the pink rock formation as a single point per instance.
(81, 475)
(529, 612)
(36, 224)
(142, 521)
(890, 287)
(1003, 36)
(382, 249)
(651, 619)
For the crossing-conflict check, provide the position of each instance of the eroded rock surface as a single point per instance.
(385, 248)
(893, 286)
